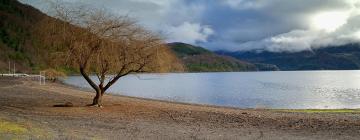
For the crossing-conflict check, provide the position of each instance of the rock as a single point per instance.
(67, 104)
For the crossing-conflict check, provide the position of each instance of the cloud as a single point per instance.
(326, 28)
(171, 17)
(189, 33)
(272, 25)
(299, 40)
(281, 25)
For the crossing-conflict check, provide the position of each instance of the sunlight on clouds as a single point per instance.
(329, 21)
(357, 34)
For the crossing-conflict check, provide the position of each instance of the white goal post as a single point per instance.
(42, 78)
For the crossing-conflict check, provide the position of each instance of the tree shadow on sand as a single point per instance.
(67, 104)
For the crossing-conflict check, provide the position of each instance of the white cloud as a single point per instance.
(189, 33)
(329, 21)
(299, 40)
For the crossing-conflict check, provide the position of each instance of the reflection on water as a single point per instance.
(287, 90)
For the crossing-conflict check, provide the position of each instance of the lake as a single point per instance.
(276, 90)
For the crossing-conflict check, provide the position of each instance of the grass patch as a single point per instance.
(15, 130)
(10, 127)
(320, 110)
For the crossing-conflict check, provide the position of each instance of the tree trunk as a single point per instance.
(97, 99)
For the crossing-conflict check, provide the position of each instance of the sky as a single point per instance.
(241, 25)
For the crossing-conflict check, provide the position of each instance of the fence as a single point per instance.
(41, 77)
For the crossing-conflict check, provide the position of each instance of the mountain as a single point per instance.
(198, 59)
(17, 39)
(22, 42)
(345, 57)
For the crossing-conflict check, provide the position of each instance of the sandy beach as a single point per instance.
(27, 112)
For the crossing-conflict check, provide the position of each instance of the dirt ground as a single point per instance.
(27, 112)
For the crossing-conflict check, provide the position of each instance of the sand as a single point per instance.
(27, 112)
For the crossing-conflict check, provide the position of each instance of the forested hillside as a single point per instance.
(345, 57)
(18, 42)
(197, 59)
(23, 42)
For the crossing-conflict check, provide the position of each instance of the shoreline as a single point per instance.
(27, 106)
(215, 106)
(208, 105)
(159, 100)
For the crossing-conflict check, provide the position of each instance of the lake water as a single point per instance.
(280, 90)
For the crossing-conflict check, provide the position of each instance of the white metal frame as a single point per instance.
(42, 78)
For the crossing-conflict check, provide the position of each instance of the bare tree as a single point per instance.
(104, 45)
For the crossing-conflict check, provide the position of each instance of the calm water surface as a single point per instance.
(280, 90)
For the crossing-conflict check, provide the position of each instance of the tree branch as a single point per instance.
(88, 79)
